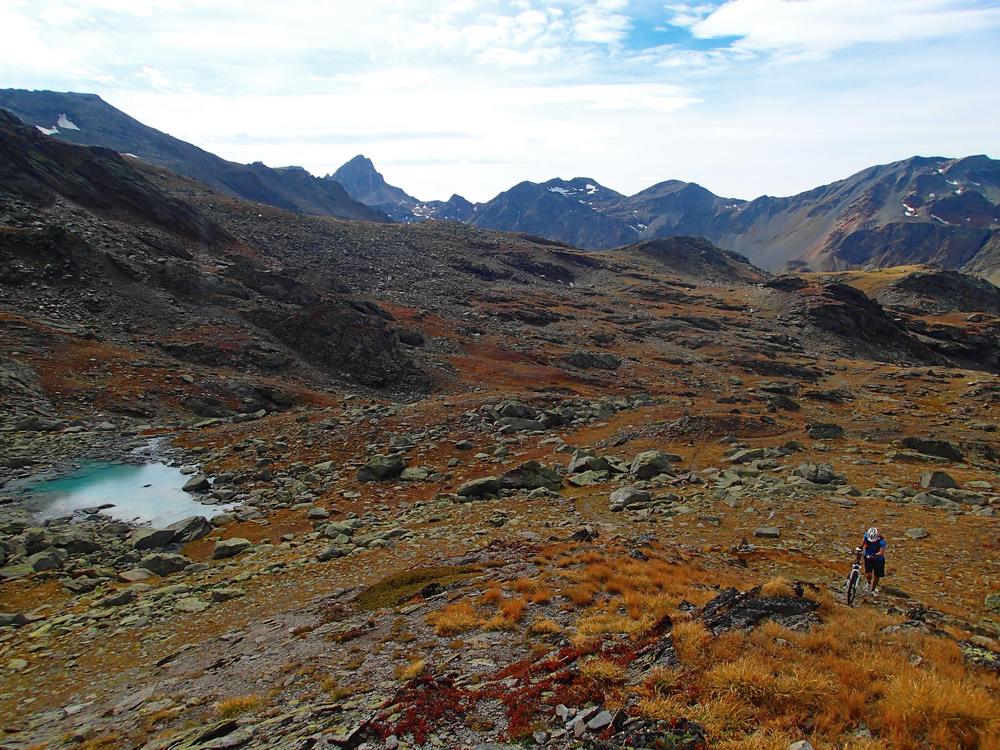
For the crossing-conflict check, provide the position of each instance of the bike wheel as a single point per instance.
(852, 586)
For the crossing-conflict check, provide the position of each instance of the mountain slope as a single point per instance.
(563, 210)
(89, 120)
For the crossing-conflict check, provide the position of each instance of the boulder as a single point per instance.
(937, 480)
(746, 455)
(230, 547)
(652, 463)
(593, 360)
(414, 474)
(932, 447)
(381, 468)
(918, 532)
(815, 473)
(151, 538)
(625, 496)
(190, 529)
(530, 476)
(197, 483)
(331, 553)
(825, 431)
(49, 559)
(767, 532)
(523, 425)
(585, 459)
(481, 487)
(163, 563)
(735, 610)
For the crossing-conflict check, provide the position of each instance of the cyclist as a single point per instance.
(873, 547)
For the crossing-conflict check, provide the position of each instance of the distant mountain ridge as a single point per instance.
(94, 122)
(932, 210)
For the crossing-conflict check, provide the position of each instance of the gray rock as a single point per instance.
(825, 431)
(585, 459)
(625, 496)
(530, 476)
(800, 745)
(767, 532)
(937, 479)
(49, 559)
(118, 598)
(331, 553)
(600, 721)
(197, 483)
(746, 456)
(163, 563)
(190, 604)
(649, 464)
(230, 547)
(917, 532)
(227, 593)
(381, 468)
(481, 487)
(151, 538)
(815, 473)
(414, 474)
(190, 529)
(931, 447)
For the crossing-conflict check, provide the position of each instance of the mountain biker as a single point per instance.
(873, 547)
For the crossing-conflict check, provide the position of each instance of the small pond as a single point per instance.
(136, 493)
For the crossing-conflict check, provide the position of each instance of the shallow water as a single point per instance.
(138, 493)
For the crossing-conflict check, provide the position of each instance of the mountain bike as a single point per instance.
(854, 577)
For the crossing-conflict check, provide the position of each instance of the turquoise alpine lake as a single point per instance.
(138, 493)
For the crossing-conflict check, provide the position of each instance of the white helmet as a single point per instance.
(872, 534)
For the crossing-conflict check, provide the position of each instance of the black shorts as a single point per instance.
(876, 564)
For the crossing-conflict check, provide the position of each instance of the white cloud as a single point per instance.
(816, 28)
(472, 96)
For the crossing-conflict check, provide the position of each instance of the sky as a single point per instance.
(746, 97)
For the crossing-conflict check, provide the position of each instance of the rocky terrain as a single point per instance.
(480, 490)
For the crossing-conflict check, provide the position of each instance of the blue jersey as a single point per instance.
(873, 549)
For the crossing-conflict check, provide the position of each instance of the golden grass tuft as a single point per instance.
(239, 705)
(413, 668)
(778, 586)
(602, 670)
(454, 618)
(544, 626)
(499, 623)
(770, 684)
(940, 711)
(513, 609)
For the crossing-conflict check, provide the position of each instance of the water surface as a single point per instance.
(135, 492)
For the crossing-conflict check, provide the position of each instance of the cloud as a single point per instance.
(813, 29)
(475, 95)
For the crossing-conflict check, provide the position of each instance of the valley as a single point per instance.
(481, 488)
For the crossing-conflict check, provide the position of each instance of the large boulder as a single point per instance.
(481, 487)
(937, 480)
(825, 431)
(230, 547)
(625, 496)
(530, 476)
(190, 529)
(652, 463)
(586, 459)
(164, 563)
(735, 610)
(49, 559)
(815, 473)
(197, 483)
(151, 538)
(382, 468)
(933, 447)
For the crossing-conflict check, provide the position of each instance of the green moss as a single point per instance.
(398, 588)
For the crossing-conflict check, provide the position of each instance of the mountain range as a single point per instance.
(932, 210)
